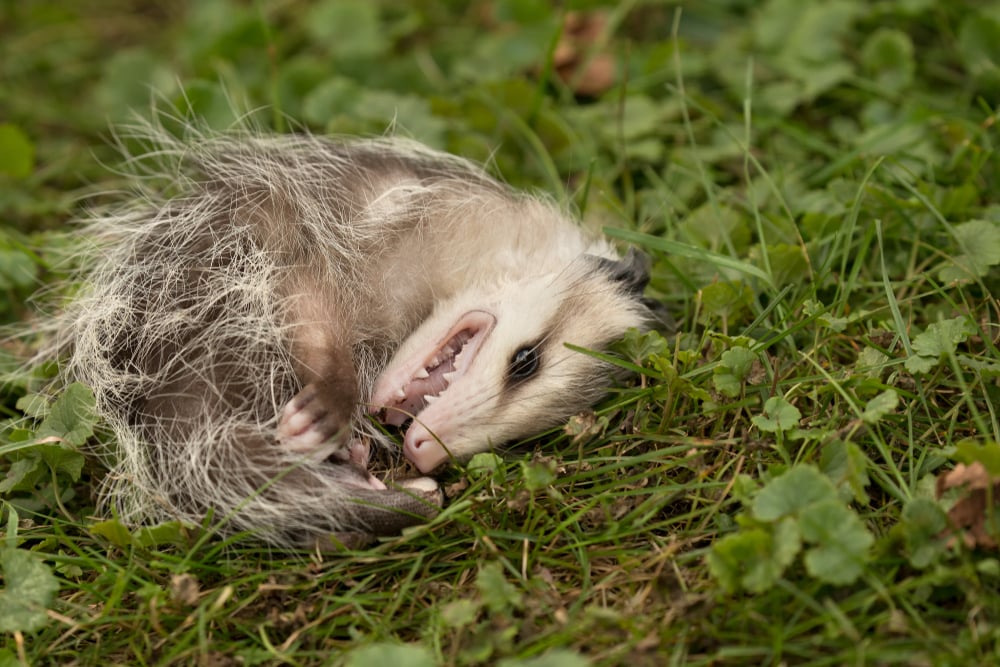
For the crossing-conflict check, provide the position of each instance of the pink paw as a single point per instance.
(307, 425)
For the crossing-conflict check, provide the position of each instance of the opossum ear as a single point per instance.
(632, 271)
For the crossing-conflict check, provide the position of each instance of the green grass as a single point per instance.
(816, 183)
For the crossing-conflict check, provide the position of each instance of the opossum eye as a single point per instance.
(524, 363)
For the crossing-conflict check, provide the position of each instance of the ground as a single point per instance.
(804, 467)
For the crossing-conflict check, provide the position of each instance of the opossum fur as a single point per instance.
(258, 301)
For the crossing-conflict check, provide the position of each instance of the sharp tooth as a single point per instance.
(430, 399)
(448, 377)
(400, 393)
(421, 374)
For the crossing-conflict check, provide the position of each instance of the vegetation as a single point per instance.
(804, 470)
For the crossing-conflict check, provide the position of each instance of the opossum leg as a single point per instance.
(317, 419)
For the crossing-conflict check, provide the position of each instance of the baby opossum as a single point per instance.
(261, 300)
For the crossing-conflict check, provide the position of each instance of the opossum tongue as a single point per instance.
(408, 385)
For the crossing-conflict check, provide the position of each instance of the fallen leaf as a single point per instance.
(580, 59)
(970, 513)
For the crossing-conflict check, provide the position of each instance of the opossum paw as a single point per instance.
(306, 424)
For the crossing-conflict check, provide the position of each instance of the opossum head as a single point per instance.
(491, 366)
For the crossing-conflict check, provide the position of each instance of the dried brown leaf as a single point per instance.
(970, 512)
(581, 59)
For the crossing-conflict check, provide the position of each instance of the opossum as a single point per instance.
(260, 309)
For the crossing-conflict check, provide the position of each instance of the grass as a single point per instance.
(816, 185)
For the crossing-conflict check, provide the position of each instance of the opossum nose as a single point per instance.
(426, 455)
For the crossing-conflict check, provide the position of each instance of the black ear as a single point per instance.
(632, 271)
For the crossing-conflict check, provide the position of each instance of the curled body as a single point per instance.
(259, 301)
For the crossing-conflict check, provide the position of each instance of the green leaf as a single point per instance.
(334, 96)
(979, 46)
(819, 311)
(939, 339)
(917, 364)
(29, 588)
(31, 462)
(716, 227)
(847, 466)
(72, 416)
(62, 459)
(745, 488)
(871, 362)
(485, 464)
(33, 405)
(17, 153)
(23, 474)
(113, 531)
(537, 476)
(779, 415)
(407, 113)
(842, 542)
(396, 655)
(788, 264)
(807, 40)
(922, 523)
(736, 364)
(18, 267)
(880, 406)
(459, 613)
(943, 337)
(349, 29)
(169, 532)
(888, 55)
(832, 322)
(640, 117)
(522, 11)
(979, 243)
(127, 77)
(753, 559)
(499, 595)
(792, 492)
(640, 346)
(726, 299)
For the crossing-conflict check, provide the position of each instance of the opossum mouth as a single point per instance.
(403, 392)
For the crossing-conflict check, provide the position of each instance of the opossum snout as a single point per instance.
(424, 452)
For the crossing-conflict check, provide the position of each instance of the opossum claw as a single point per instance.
(307, 427)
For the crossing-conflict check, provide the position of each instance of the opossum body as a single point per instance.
(262, 297)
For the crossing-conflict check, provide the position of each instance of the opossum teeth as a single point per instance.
(425, 377)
